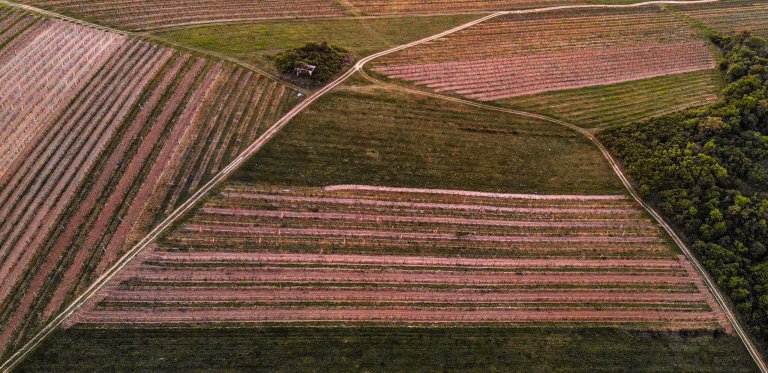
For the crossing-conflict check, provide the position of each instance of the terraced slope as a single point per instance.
(624, 103)
(105, 135)
(368, 254)
(532, 53)
(733, 15)
(153, 14)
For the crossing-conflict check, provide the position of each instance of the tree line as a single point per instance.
(706, 170)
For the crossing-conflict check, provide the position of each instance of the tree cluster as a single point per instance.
(706, 169)
(329, 60)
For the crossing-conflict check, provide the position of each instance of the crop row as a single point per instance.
(285, 218)
(400, 295)
(195, 241)
(402, 276)
(104, 170)
(676, 319)
(226, 230)
(149, 14)
(514, 76)
(410, 261)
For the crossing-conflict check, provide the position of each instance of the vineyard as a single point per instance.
(109, 134)
(168, 203)
(50, 57)
(527, 54)
(373, 254)
(733, 16)
(623, 103)
(153, 14)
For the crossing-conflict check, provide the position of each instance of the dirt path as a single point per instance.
(102, 280)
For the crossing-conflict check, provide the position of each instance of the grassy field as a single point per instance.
(256, 42)
(623, 103)
(367, 135)
(377, 349)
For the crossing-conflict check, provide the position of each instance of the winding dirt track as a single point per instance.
(102, 280)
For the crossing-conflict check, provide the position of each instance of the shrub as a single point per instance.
(329, 59)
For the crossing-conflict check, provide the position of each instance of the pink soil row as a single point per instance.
(368, 245)
(515, 76)
(215, 214)
(225, 230)
(270, 294)
(465, 193)
(397, 276)
(147, 14)
(379, 203)
(411, 261)
(175, 315)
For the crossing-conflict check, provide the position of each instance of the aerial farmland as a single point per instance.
(369, 185)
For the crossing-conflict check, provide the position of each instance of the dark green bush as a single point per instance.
(329, 59)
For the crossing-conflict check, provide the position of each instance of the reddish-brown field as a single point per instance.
(526, 54)
(153, 14)
(106, 135)
(370, 254)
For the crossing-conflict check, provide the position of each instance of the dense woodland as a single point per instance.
(707, 171)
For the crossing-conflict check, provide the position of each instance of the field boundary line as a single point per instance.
(615, 165)
(171, 219)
